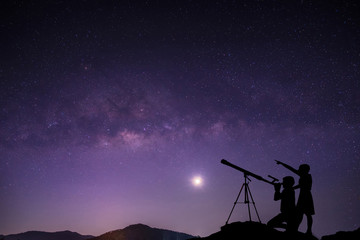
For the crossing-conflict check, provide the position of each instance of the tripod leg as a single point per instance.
(247, 191)
(236, 201)
(257, 214)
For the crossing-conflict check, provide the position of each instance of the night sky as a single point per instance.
(109, 110)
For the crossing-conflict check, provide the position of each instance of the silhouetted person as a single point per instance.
(305, 204)
(287, 216)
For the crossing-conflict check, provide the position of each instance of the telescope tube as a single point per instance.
(247, 173)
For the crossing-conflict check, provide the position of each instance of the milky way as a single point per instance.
(109, 111)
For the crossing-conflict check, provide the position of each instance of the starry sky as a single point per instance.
(118, 112)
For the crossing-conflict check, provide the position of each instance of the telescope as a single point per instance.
(248, 196)
(248, 173)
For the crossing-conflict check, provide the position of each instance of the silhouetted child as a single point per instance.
(287, 216)
(305, 203)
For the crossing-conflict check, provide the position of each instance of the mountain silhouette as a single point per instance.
(37, 235)
(143, 232)
(254, 231)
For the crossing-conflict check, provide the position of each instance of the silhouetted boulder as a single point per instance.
(342, 235)
(254, 231)
(142, 232)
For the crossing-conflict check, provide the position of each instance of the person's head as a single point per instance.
(304, 169)
(288, 182)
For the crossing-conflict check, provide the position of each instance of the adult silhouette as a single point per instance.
(287, 216)
(305, 203)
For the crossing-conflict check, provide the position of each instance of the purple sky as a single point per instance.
(108, 111)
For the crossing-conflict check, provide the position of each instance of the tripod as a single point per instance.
(247, 201)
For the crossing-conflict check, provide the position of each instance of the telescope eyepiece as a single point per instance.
(273, 178)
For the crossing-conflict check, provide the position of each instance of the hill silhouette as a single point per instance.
(38, 235)
(143, 232)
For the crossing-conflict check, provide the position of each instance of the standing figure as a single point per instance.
(305, 204)
(287, 216)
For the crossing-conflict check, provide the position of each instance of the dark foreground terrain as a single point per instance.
(342, 235)
(236, 230)
(253, 231)
(259, 231)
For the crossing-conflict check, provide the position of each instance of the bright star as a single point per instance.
(197, 181)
